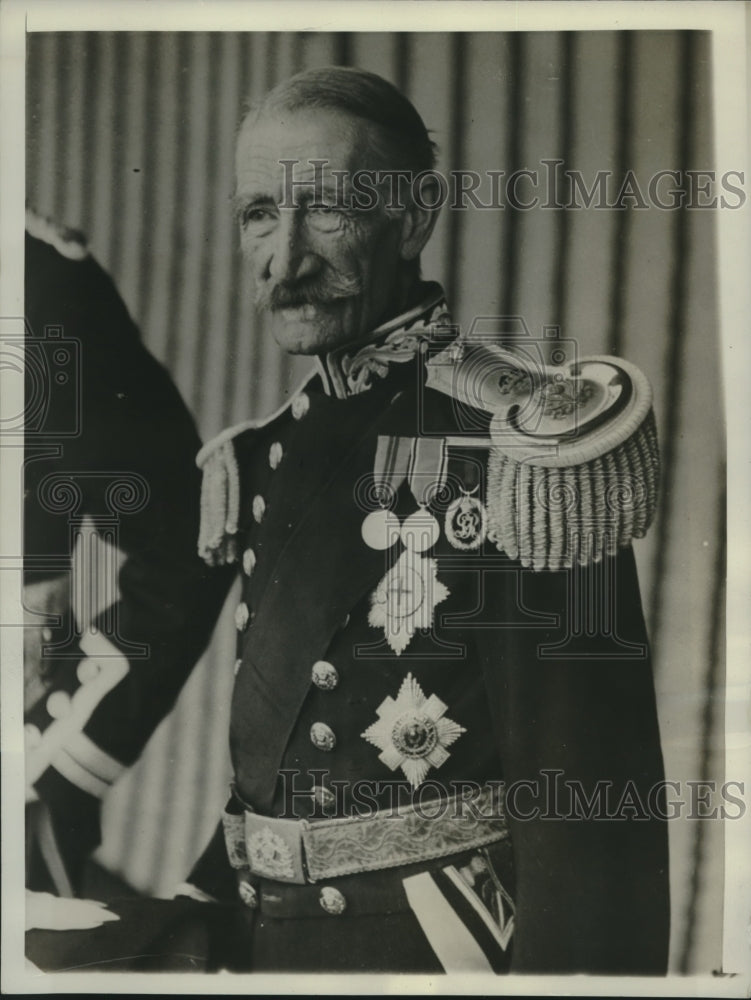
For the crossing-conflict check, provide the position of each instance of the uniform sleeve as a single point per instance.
(573, 703)
(130, 469)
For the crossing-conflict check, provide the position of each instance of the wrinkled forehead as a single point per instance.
(275, 142)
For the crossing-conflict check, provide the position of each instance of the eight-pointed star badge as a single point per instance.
(413, 732)
(405, 599)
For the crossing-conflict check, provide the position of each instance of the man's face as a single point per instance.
(328, 274)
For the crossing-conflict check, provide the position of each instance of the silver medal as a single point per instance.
(420, 531)
(380, 529)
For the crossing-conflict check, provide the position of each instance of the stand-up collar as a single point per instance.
(357, 366)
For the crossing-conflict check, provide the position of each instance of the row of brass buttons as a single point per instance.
(331, 899)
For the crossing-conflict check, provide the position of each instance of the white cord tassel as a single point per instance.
(220, 506)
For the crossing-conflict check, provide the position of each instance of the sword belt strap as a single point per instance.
(305, 851)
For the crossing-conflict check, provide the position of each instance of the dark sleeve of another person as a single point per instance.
(108, 438)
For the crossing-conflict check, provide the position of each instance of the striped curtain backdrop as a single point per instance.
(130, 138)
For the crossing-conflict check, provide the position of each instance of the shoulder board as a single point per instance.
(220, 489)
(69, 243)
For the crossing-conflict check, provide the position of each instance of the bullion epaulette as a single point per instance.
(71, 243)
(573, 460)
(220, 488)
(220, 495)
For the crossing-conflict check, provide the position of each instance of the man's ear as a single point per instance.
(419, 220)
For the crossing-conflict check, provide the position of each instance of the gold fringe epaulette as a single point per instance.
(220, 497)
(220, 490)
(551, 517)
(573, 465)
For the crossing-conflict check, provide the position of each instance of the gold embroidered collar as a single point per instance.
(355, 367)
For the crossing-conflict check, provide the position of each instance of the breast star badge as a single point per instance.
(412, 732)
(405, 599)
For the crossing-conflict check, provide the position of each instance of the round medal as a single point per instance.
(420, 531)
(466, 523)
(380, 529)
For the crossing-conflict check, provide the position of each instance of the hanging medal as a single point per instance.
(427, 477)
(381, 528)
(466, 523)
(406, 597)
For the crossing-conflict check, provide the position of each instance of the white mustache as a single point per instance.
(286, 296)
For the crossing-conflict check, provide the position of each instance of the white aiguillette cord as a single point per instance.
(423, 462)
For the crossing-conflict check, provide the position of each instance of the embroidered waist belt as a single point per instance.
(303, 851)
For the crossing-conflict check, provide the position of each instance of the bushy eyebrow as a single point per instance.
(241, 202)
(245, 200)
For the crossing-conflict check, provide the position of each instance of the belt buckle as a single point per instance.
(274, 848)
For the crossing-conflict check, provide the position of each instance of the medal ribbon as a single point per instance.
(391, 463)
(407, 595)
(428, 467)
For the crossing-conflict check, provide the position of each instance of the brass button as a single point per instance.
(322, 736)
(324, 675)
(300, 405)
(259, 508)
(249, 561)
(58, 704)
(248, 895)
(276, 453)
(242, 616)
(332, 900)
(238, 664)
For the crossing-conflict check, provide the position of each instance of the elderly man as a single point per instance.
(443, 727)
(389, 639)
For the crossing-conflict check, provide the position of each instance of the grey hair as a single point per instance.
(405, 142)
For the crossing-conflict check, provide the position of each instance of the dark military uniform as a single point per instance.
(395, 684)
(497, 688)
(108, 438)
